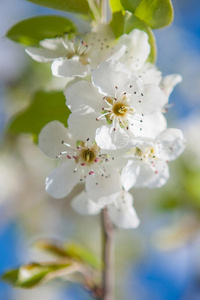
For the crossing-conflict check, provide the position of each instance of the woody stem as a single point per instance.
(108, 257)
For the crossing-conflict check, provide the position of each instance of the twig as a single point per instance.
(108, 257)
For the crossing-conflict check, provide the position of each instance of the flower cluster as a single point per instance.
(117, 136)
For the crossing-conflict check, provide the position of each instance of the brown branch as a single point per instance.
(108, 257)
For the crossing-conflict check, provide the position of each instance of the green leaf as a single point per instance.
(70, 251)
(130, 5)
(132, 22)
(32, 31)
(52, 248)
(75, 6)
(11, 276)
(156, 13)
(117, 23)
(45, 107)
(116, 5)
(31, 275)
(81, 254)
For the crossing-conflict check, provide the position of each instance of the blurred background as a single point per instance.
(159, 260)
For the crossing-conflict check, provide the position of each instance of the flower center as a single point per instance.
(87, 157)
(76, 47)
(147, 155)
(119, 109)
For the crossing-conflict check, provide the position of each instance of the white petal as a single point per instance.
(122, 213)
(169, 82)
(61, 181)
(110, 75)
(46, 54)
(160, 176)
(103, 54)
(173, 143)
(53, 44)
(51, 137)
(152, 125)
(129, 174)
(84, 96)
(138, 49)
(84, 206)
(99, 33)
(68, 68)
(83, 125)
(110, 139)
(150, 74)
(151, 100)
(98, 186)
(152, 177)
(104, 201)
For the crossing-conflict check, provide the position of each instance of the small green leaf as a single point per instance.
(45, 107)
(52, 248)
(32, 31)
(81, 254)
(132, 22)
(117, 23)
(70, 251)
(116, 5)
(156, 13)
(130, 5)
(75, 6)
(11, 276)
(33, 274)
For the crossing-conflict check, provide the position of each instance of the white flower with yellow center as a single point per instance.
(75, 55)
(80, 161)
(148, 162)
(119, 108)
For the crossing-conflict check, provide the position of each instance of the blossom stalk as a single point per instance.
(108, 256)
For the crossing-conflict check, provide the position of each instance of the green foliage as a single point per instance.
(51, 247)
(31, 275)
(118, 18)
(155, 13)
(75, 6)
(128, 22)
(81, 254)
(115, 5)
(71, 251)
(11, 276)
(71, 259)
(32, 31)
(45, 107)
(142, 14)
(132, 22)
(130, 5)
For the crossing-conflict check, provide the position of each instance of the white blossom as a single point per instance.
(75, 55)
(120, 107)
(80, 161)
(148, 163)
